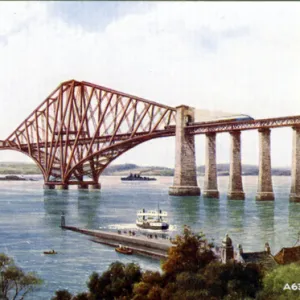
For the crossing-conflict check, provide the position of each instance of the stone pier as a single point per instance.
(83, 186)
(210, 181)
(295, 188)
(62, 186)
(95, 186)
(48, 186)
(185, 177)
(265, 188)
(235, 188)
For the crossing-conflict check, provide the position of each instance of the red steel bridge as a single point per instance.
(81, 127)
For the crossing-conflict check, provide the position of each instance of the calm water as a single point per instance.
(30, 218)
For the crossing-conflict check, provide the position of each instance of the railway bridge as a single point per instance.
(81, 127)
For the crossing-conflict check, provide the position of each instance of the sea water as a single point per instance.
(30, 219)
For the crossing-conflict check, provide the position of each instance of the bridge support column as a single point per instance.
(295, 188)
(48, 186)
(83, 186)
(235, 188)
(265, 188)
(95, 186)
(185, 177)
(62, 187)
(210, 181)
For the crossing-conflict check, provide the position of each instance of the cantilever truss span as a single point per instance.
(81, 127)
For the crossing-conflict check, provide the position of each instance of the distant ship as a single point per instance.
(137, 177)
(153, 219)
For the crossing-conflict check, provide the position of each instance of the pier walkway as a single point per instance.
(156, 248)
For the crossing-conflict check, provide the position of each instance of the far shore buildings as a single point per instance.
(264, 258)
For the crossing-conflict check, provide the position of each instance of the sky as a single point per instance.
(241, 57)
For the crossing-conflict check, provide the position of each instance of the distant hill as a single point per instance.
(247, 170)
(125, 169)
(19, 168)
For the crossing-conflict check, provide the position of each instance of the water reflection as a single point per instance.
(56, 202)
(185, 211)
(265, 214)
(236, 215)
(294, 228)
(211, 216)
(88, 204)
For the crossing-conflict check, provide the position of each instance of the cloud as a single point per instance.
(237, 57)
(94, 15)
(15, 15)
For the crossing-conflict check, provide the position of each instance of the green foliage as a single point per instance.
(14, 282)
(152, 278)
(190, 272)
(141, 289)
(62, 295)
(275, 281)
(233, 279)
(116, 282)
(155, 293)
(145, 288)
(82, 296)
(190, 281)
(191, 252)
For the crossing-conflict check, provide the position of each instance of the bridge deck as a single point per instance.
(194, 128)
(223, 126)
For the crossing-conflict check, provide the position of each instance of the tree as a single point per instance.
(82, 296)
(190, 281)
(116, 282)
(62, 295)
(233, 279)
(155, 293)
(141, 289)
(191, 252)
(149, 286)
(281, 283)
(169, 290)
(14, 282)
(190, 272)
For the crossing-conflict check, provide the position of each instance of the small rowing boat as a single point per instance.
(124, 250)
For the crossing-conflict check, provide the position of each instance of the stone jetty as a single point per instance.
(155, 247)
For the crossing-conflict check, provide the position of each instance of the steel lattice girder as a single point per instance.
(81, 127)
(77, 124)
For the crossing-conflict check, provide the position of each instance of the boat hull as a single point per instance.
(163, 226)
(124, 251)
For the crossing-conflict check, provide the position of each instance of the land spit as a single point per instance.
(155, 248)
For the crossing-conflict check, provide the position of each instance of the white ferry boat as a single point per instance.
(152, 219)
